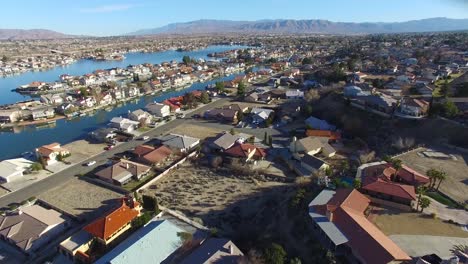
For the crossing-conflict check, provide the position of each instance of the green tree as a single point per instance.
(433, 175)
(295, 261)
(442, 176)
(205, 98)
(37, 166)
(219, 86)
(240, 116)
(265, 137)
(397, 165)
(270, 140)
(421, 190)
(150, 203)
(187, 60)
(241, 89)
(4, 58)
(450, 109)
(274, 254)
(308, 110)
(84, 91)
(357, 183)
(424, 202)
(185, 236)
(306, 61)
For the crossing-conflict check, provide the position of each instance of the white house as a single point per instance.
(123, 124)
(159, 110)
(260, 115)
(13, 169)
(294, 94)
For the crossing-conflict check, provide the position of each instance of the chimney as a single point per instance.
(127, 165)
(231, 249)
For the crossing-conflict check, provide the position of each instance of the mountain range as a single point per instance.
(307, 26)
(21, 34)
(312, 26)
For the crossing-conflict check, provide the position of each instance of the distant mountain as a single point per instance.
(20, 34)
(307, 26)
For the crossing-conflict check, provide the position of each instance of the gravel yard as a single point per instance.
(82, 150)
(197, 131)
(456, 184)
(81, 198)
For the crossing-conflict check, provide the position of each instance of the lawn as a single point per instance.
(439, 83)
(132, 185)
(441, 199)
(393, 222)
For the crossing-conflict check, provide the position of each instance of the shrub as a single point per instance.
(434, 215)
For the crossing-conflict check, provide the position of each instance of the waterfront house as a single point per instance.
(342, 227)
(10, 115)
(51, 99)
(49, 154)
(13, 169)
(122, 172)
(179, 143)
(42, 112)
(109, 227)
(102, 135)
(106, 99)
(413, 107)
(31, 227)
(124, 124)
(140, 116)
(158, 110)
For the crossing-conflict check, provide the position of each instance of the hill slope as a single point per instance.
(19, 34)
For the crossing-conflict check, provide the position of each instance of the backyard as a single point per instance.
(395, 222)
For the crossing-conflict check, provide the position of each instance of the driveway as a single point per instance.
(417, 245)
(443, 212)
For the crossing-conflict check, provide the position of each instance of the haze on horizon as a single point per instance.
(106, 17)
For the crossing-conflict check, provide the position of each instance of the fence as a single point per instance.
(402, 207)
(183, 218)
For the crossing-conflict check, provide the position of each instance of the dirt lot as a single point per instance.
(456, 184)
(393, 222)
(82, 149)
(197, 131)
(196, 191)
(81, 198)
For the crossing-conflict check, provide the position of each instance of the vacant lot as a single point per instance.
(456, 184)
(82, 150)
(81, 198)
(394, 222)
(198, 191)
(197, 131)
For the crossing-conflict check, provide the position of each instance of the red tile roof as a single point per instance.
(323, 133)
(106, 226)
(243, 150)
(157, 155)
(142, 150)
(365, 239)
(379, 185)
(406, 174)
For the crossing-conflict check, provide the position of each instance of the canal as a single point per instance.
(21, 139)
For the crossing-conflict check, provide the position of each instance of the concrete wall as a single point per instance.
(402, 207)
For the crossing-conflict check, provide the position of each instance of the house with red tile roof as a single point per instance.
(107, 228)
(331, 135)
(49, 153)
(156, 156)
(387, 190)
(246, 152)
(342, 226)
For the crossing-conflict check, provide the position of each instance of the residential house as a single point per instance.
(153, 243)
(159, 110)
(294, 94)
(102, 135)
(260, 115)
(124, 124)
(413, 107)
(225, 141)
(122, 172)
(246, 152)
(312, 146)
(152, 156)
(13, 169)
(378, 102)
(214, 251)
(179, 143)
(31, 227)
(50, 153)
(332, 136)
(65, 108)
(51, 99)
(253, 97)
(10, 115)
(316, 123)
(222, 114)
(140, 116)
(42, 112)
(343, 228)
(109, 227)
(312, 164)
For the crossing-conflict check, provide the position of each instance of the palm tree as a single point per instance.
(442, 176)
(433, 175)
(421, 190)
(424, 203)
(397, 165)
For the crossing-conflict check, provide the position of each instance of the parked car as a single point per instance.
(90, 163)
(109, 147)
(145, 138)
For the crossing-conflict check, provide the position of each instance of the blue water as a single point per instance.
(88, 66)
(65, 131)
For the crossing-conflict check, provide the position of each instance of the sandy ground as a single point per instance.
(425, 245)
(3, 192)
(456, 184)
(81, 198)
(26, 180)
(443, 212)
(394, 222)
(199, 191)
(197, 131)
(82, 150)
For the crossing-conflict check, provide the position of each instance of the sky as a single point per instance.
(115, 17)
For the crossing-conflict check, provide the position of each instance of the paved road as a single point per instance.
(64, 176)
